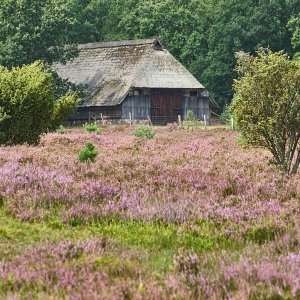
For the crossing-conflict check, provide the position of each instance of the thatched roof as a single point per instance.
(111, 69)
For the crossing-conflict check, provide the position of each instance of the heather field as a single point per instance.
(185, 215)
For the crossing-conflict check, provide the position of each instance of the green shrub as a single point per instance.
(60, 129)
(144, 131)
(1, 201)
(92, 127)
(226, 115)
(191, 122)
(270, 116)
(190, 116)
(88, 154)
(28, 106)
(63, 107)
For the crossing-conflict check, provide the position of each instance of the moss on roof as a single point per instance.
(110, 69)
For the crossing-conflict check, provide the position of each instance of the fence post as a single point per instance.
(232, 123)
(150, 122)
(179, 120)
(204, 121)
(130, 119)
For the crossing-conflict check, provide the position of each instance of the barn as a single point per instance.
(134, 81)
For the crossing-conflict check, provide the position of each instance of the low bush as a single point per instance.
(92, 127)
(226, 116)
(60, 129)
(28, 107)
(88, 154)
(191, 122)
(144, 131)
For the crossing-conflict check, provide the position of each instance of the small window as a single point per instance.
(193, 94)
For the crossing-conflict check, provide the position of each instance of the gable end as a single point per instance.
(157, 45)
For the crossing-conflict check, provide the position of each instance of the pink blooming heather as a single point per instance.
(179, 176)
(46, 267)
(200, 180)
(258, 273)
(73, 270)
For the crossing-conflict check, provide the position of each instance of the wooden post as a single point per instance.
(232, 123)
(150, 121)
(130, 119)
(179, 120)
(204, 121)
(101, 115)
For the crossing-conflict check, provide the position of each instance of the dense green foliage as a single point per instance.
(40, 30)
(28, 107)
(266, 105)
(144, 131)
(226, 115)
(191, 122)
(92, 127)
(88, 153)
(203, 35)
(294, 26)
(35, 30)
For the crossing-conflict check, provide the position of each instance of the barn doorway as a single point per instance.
(166, 105)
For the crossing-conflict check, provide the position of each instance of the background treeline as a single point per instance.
(202, 34)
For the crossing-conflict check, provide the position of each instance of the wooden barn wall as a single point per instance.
(137, 106)
(199, 106)
(140, 109)
(88, 114)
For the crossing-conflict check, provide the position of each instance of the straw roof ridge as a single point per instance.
(112, 44)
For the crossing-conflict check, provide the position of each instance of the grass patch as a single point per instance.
(16, 235)
(153, 236)
(263, 233)
(155, 243)
(158, 242)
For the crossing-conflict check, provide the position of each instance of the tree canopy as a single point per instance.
(294, 26)
(202, 34)
(35, 30)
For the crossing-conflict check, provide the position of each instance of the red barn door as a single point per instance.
(166, 105)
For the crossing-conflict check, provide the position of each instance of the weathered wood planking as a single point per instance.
(199, 105)
(137, 106)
